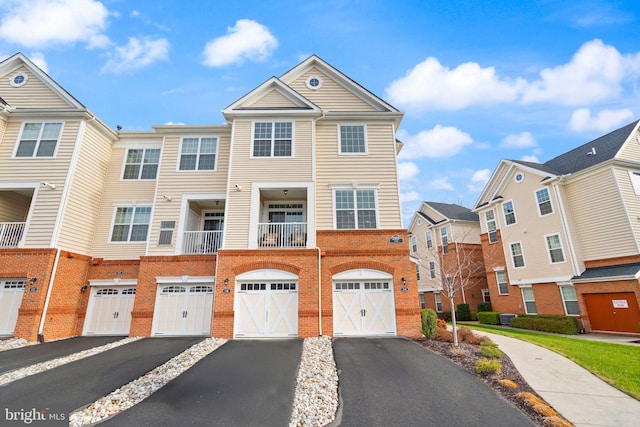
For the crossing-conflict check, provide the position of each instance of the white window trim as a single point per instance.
(546, 245)
(354, 187)
(196, 170)
(413, 244)
(428, 240)
(272, 121)
(366, 142)
(498, 282)
(564, 303)
(495, 223)
(124, 163)
(35, 150)
(524, 302)
(445, 248)
(524, 262)
(504, 215)
(535, 197)
(634, 175)
(113, 223)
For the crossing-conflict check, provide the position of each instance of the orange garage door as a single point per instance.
(613, 312)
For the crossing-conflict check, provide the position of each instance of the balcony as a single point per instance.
(201, 242)
(282, 235)
(11, 234)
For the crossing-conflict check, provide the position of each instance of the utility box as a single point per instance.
(505, 318)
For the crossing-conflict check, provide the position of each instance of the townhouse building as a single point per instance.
(283, 221)
(568, 233)
(445, 246)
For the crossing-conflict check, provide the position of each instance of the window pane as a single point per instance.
(207, 162)
(123, 215)
(190, 146)
(26, 148)
(366, 219)
(262, 148)
(282, 130)
(208, 145)
(345, 220)
(152, 156)
(142, 216)
(139, 233)
(262, 131)
(120, 233)
(46, 149)
(131, 172)
(31, 131)
(366, 199)
(149, 172)
(344, 199)
(134, 156)
(352, 139)
(282, 148)
(51, 131)
(188, 162)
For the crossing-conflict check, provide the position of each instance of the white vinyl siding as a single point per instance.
(529, 301)
(501, 280)
(352, 139)
(554, 247)
(509, 213)
(33, 94)
(198, 154)
(517, 255)
(141, 163)
(491, 226)
(38, 139)
(355, 209)
(544, 202)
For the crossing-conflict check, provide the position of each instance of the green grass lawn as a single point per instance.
(617, 364)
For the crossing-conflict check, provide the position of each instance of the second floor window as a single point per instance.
(198, 154)
(432, 269)
(355, 209)
(509, 213)
(38, 140)
(141, 164)
(352, 139)
(273, 139)
(555, 248)
(417, 271)
(414, 244)
(490, 217)
(517, 255)
(544, 201)
(501, 280)
(429, 238)
(445, 240)
(131, 224)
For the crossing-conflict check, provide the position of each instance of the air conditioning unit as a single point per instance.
(505, 318)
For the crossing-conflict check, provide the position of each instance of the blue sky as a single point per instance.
(477, 80)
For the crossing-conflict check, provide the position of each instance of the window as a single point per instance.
(501, 280)
(438, 302)
(131, 224)
(355, 209)
(352, 139)
(272, 139)
(445, 240)
(486, 296)
(141, 163)
(421, 297)
(429, 239)
(490, 218)
(529, 301)
(417, 271)
(432, 269)
(635, 181)
(198, 154)
(570, 300)
(38, 140)
(166, 232)
(555, 248)
(517, 255)
(414, 244)
(509, 213)
(544, 202)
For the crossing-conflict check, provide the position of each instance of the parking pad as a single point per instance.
(242, 383)
(61, 390)
(32, 354)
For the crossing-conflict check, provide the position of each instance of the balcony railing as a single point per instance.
(282, 235)
(202, 242)
(11, 234)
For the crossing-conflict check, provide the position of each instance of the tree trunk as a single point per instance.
(453, 323)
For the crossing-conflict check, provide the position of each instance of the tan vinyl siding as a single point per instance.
(245, 170)
(376, 167)
(492, 186)
(273, 99)
(630, 199)
(175, 183)
(52, 170)
(13, 206)
(119, 193)
(331, 96)
(83, 205)
(465, 232)
(599, 217)
(33, 94)
(631, 148)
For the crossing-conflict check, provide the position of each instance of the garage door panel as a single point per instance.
(266, 310)
(183, 310)
(11, 293)
(109, 311)
(283, 314)
(363, 308)
(379, 312)
(347, 308)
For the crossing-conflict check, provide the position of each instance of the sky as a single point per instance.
(477, 81)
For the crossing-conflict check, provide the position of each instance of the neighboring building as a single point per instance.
(284, 221)
(444, 242)
(568, 232)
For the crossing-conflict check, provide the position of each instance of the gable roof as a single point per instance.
(453, 212)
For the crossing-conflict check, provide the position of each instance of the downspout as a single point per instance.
(48, 297)
(319, 290)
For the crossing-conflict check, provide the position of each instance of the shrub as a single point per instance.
(484, 306)
(446, 316)
(442, 324)
(489, 317)
(558, 324)
(488, 366)
(463, 312)
(467, 335)
(490, 350)
(474, 316)
(429, 323)
(444, 335)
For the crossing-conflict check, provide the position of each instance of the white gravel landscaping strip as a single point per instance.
(50, 364)
(141, 388)
(11, 343)
(316, 399)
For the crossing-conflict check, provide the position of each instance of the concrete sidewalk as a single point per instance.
(574, 392)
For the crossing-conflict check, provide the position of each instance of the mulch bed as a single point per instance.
(472, 353)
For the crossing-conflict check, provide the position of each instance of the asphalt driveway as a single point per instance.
(393, 381)
(66, 388)
(242, 383)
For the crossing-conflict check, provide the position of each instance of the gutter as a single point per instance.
(319, 291)
(48, 297)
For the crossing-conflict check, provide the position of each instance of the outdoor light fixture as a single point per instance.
(226, 281)
(49, 185)
(404, 282)
(285, 192)
(167, 197)
(84, 288)
(33, 280)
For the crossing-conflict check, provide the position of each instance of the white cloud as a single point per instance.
(248, 39)
(409, 196)
(530, 158)
(137, 54)
(479, 180)
(430, 85)
(41, 23)
(407, 171)
(519, 140)
(441, 141)
(440, 184)
(595, 73)
(38, 59)
(581, 119)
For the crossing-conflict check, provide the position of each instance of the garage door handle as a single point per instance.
(184, 314)
(115, 315)
(363, 312)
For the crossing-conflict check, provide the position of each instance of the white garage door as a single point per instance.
(109, 310)
(363, 307)
(183, 310)
(11, 291)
